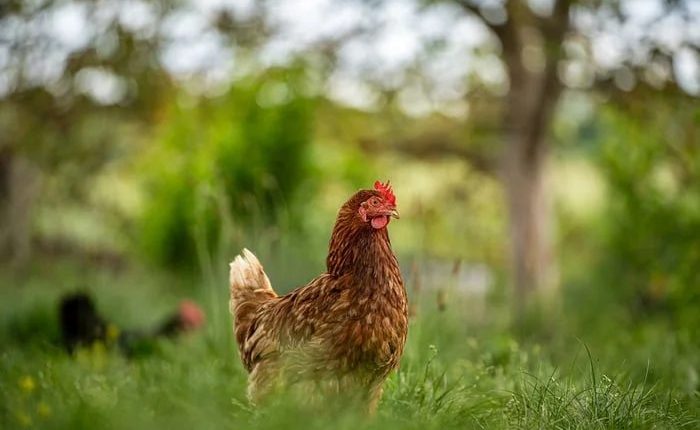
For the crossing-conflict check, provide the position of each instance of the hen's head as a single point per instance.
(373, 208)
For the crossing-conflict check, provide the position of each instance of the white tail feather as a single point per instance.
(247, 274)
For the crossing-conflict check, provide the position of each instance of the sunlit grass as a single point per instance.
(456, 373)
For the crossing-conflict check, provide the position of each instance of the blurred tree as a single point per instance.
(542, 46)
(55, 121)
(529, 106)
(81, 83)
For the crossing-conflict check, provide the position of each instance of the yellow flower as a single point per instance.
(27, 384)
(43, 409)
(112, 333)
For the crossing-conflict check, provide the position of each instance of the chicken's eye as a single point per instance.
(374, 201)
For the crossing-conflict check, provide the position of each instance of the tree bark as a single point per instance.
(530, 103)
(529, 107)
(19, 186)
(531, 216)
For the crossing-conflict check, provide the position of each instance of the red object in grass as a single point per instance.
(191, 315)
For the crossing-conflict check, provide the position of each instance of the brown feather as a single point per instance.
(346, 329)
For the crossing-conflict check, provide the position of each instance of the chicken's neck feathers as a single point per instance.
(363, 253)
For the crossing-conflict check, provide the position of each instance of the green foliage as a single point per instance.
(651, 162)
(242, 156)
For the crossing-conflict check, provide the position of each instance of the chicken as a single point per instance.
(343, 332)
(82, 325)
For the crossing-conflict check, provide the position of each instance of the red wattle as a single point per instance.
(380, 222)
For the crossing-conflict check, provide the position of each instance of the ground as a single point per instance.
(458, 371)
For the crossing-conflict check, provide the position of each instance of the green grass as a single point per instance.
(458, 371)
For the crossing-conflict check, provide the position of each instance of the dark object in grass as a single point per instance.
(82, 325)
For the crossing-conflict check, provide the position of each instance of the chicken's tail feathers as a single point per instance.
(247, 273)
(249, 286)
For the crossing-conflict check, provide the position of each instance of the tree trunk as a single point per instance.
(19, 186)
(530, 106)
(528, 115)
(531, 224)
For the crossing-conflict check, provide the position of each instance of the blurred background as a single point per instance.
(545, 155)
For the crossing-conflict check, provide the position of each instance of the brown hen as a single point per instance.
(343, 332)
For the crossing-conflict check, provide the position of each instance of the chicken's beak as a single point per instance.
(395, 213)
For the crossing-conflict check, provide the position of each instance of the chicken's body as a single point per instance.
(344, 332)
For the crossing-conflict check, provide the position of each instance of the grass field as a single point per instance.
(458, 371)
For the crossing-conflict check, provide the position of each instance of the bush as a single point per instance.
(242, 157)
(652, 167)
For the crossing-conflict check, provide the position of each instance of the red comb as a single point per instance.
(386, 191)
